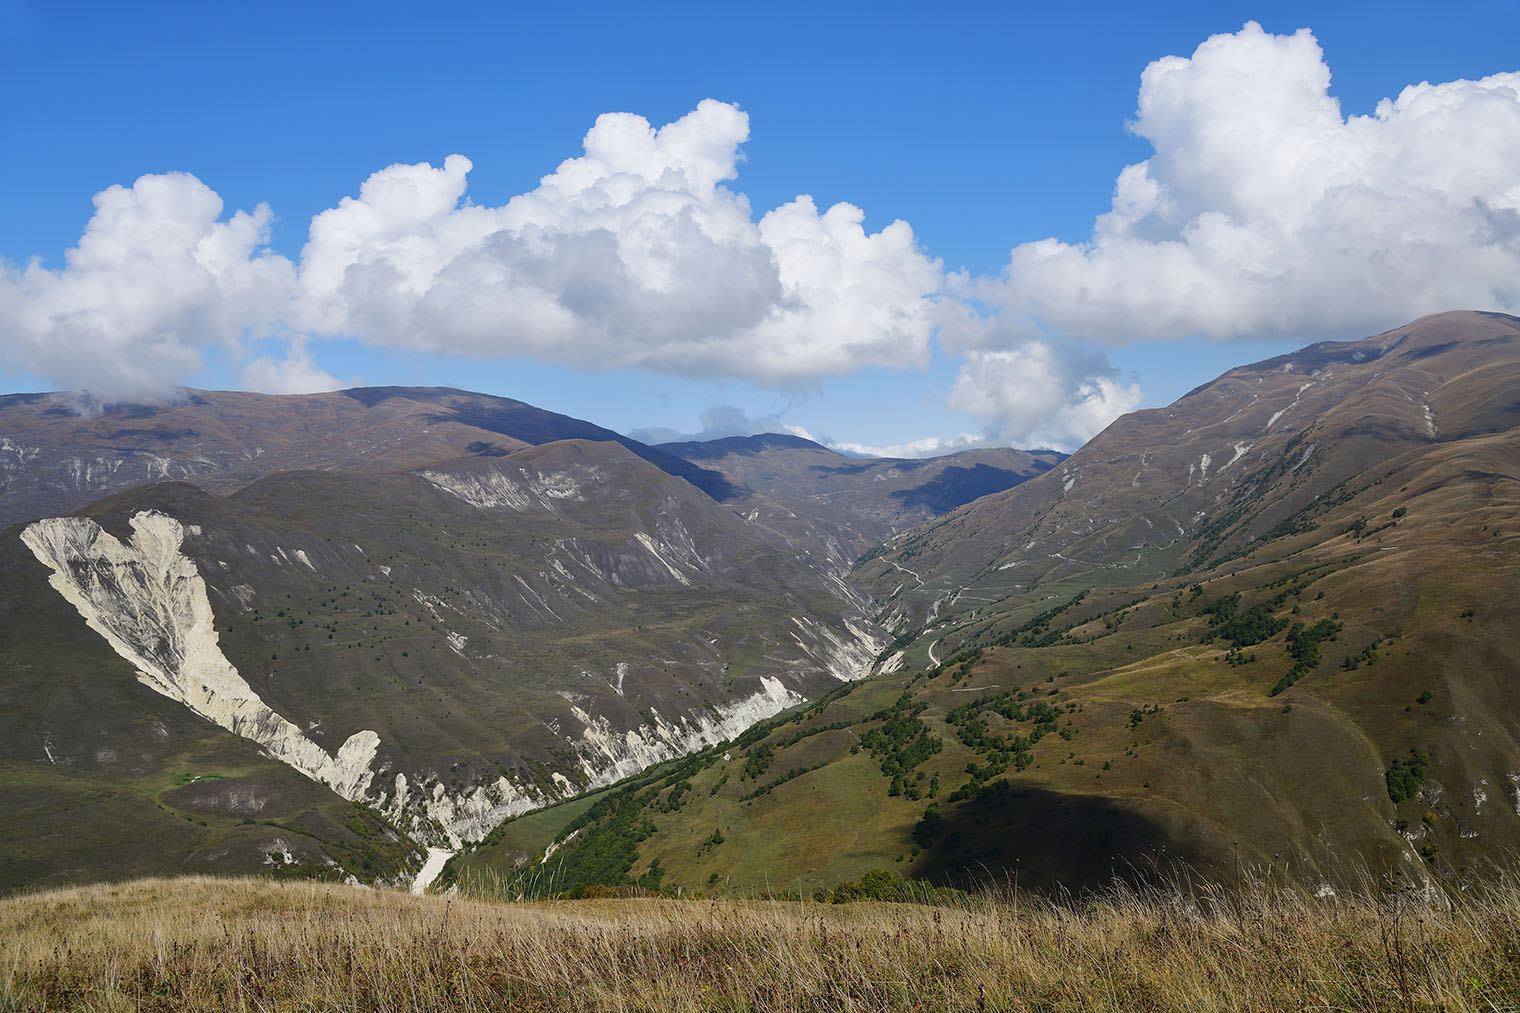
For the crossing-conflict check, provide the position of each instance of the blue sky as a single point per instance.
(986, 129)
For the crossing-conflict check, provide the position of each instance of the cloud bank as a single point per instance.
(296, 372)
(1041, 394)
(635, 254)
(928, 446)
(632, 255)
(1263, 212)
(1266, 212)
(156, 277)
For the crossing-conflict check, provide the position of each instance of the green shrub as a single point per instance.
(1404, 777)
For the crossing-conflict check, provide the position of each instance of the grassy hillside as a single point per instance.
(480, 640)
(101, 777)
(1337, 700)
(1271, 627)
(202, 944)
(1257, 454)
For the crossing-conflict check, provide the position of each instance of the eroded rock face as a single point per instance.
(608, 756)
(146, 597)
(149, 602)
(551, 606)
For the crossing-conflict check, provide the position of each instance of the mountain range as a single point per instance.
(315, 634)
(1269, 626)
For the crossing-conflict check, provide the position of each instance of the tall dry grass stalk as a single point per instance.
(208, 944)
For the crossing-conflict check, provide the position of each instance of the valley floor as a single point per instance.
(208, 944)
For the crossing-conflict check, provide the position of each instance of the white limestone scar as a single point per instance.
(149, 602)
(654, 550)
(607, 755)
(436, 859)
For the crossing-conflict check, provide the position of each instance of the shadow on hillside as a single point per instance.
(1051, 843)
(956, 486)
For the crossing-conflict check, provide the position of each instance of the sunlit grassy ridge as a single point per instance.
(207, 944)
(1261, 713)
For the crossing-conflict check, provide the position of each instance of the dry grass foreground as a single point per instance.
(209, 944)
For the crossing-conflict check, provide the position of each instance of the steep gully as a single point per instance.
(146, 598)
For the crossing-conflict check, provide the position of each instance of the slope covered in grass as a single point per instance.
(205, 944)
(1334, 699)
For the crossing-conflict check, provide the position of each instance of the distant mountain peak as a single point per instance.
(756, 444)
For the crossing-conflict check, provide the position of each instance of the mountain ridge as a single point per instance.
(1279, 604)
(1154, 496)
(1315, 681)
(400, 593)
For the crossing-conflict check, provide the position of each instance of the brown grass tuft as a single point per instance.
(209, 944)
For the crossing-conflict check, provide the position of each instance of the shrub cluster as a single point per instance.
(1404, 777)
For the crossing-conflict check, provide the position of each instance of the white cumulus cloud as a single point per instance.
(1265, 211)
(632, 254)
(1028, 389)
(928, 446)
(156, 277)
(1040, 394)
(296, 372)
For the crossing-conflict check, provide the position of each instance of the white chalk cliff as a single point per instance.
(149, 602)
(608, 756)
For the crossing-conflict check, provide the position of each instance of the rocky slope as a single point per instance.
(59, 453)
(103, 776)
(463, 643)
(1271, 625)
(845, 505)
(1308, 672)
(444, 609)
(1241, 459)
